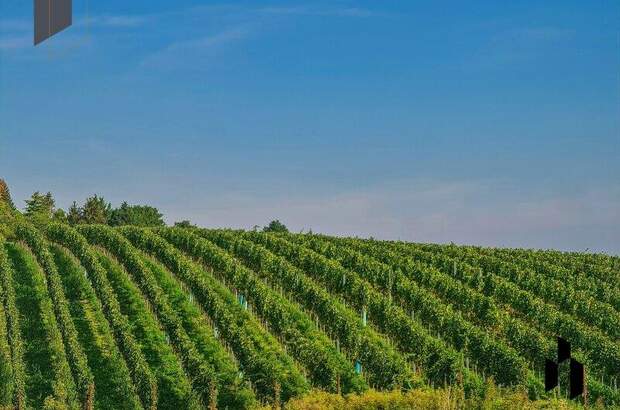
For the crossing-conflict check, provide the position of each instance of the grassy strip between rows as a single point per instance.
(115, 389)
(174, 386)
(202, 373)
(269, 368)
(491, 355)
(7, 386)
(78, 362)
(569, 300)
(384, 366)
(16, 344)
(201, 331)
(49, 383)
(441, 364)
(527, 340)
(327, 368)
(141, 374)
(574, 278)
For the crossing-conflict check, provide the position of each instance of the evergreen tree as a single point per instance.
(121, 215)
(40, 208)
(59, 216)
(5, 194)
(74, 216)
(96, 211)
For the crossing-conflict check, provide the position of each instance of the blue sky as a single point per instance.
(491, 123)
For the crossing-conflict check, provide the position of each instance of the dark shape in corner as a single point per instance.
(577, 370)
(577, 376)
(563, 350)
(551, 374)
(51, 17)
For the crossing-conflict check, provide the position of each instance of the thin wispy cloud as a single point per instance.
(550, 34)
(13, 43)
(16, 34)
(15, 25)
(518, 46)
(181, 52)
(118, 21)
(290, 10)
(319, 11)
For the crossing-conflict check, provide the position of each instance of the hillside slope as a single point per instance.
(189, 318)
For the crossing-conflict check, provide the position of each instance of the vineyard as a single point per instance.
(93, 316)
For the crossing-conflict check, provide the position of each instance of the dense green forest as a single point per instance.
(109, 308)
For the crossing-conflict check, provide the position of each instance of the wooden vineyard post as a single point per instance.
(276, 394)
(89, 400)
(338, 385)
(585, 388)
(213, 397)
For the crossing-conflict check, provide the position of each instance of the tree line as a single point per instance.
(41, 209)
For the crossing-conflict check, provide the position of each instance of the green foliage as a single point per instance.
(74, 216)
(155, 316)
(184, 224)
(59, 216)
(258, 352)
(173, 385)
(599, 350)
(202, 373)
(7, 387)
(5, 195)
(478, 308)
(137, 215)
(141, 374)
(95, 211)
(327, 368)
(439, 362)
(487, 352)
(49, 377)
(115, 389)
(7, 299)
(40, 208)
(275, 226)
(384, 366)
(77, 359)
(424, 399)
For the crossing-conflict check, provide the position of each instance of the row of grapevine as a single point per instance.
(115, 390)
(41, 335)
(597, 267)
(202, 373)
(528, 341)
(439, 362)
(326, 366)
(141, 374)
(7, 299)
(258, 353)
(574, 302)
(6, 368)
(82, 374)
(488, 353)
(602, 352)
(204, 336)
(574, 278)
(174, 384)
(384, 367)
